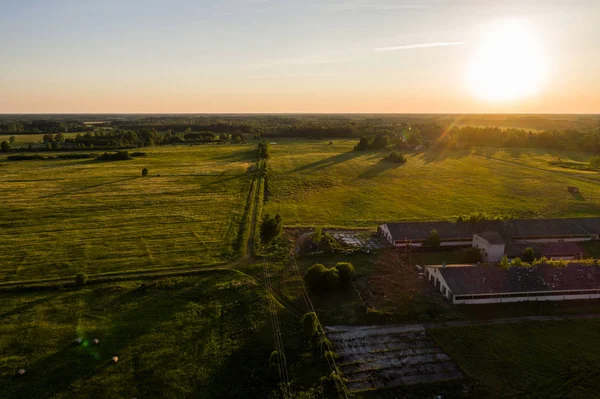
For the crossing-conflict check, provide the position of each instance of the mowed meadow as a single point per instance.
(541, 359)
(315, 183)
(200, 337)
(60, 216)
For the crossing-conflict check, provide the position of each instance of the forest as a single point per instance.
(574, 133)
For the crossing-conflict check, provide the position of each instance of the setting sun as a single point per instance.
(509, 63)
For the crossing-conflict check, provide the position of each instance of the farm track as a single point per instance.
(253, 221)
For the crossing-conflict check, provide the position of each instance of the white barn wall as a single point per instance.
(525, 299)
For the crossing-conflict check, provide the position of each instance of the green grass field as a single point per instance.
(313, 183)
(196, 337)
(24, 139)
(554, 359)
(63, 216)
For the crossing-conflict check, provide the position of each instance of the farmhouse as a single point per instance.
(543, 282)
(519, 231)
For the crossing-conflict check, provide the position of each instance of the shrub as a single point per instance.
(5, 146)
(595, 162)
(309, 321)
(81, 278)
(346, 272)
(270, 228)
(274, 358)
(314, 277)
(318, 278)
(518, 262)
(328, 244)
(145, 172)
(22, 157)
(330, 385)
(115, 156)
(472, 255)
(504, 263)
(433, 241)
(331, 280)
(528, 254)
(395, 157)
(274, 372)
(317, 235)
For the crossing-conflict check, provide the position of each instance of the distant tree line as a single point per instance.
(375, 132)
(41, 126)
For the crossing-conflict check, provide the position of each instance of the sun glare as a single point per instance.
(509, 63)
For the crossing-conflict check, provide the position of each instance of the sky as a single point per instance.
(302, 56)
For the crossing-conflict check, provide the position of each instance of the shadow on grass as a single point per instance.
(327, 162)
(56, 373)
(247, 154)
(89, 187)
(27, 306)
(440, 155)
(577, 196)
(379, 168)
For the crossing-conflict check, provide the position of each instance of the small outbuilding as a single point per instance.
(490, 244)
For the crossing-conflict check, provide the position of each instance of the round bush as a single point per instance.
(331, 280)
(145, 172)
(309, 321)
(81, 278)
(314, 277)
(346, 272)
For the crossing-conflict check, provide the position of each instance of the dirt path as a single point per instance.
(253, 219)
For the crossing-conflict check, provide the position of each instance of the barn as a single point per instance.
(519, 231)
(486, 284)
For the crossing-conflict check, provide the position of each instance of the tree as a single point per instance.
(472, 255)
(264, 149)
(317, 235)
(59, 137)
(528, 255)
(81, 278)
(395, 157)
(346, 272)
(314, 277)
(12, 139)
(327, 244)
(595, 162)
(433, 241)
(380, 141)
(363, 144)
(309, 321)
(320, 279)
(270, 228)
(5, 146)
(145, 172)
(331, 279)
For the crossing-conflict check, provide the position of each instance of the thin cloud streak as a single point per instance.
(420, 45)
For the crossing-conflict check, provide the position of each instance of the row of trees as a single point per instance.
(321, 279)
(264, 150)
(42, 126)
